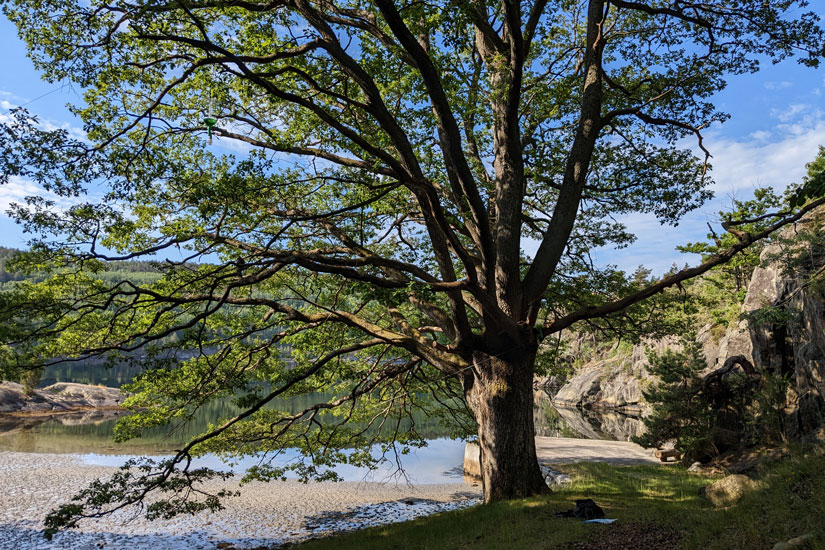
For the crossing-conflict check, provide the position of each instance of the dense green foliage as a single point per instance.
(813, 185)
(703, 418)
(136, 272)
(375, 170)
(681, 413)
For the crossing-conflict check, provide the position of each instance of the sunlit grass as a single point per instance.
(791, 503)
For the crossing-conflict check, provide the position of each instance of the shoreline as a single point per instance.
(61, 412)
(265, 514)
(61, 397)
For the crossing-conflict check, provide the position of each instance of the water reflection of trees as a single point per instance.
(551, 421)
(69, 434)
(90, 372)
(92, 431)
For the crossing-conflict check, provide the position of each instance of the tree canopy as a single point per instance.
(377, 171)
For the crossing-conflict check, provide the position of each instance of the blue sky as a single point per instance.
(777, 122)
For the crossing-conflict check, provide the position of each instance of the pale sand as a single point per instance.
(563, 450)
(263, 515)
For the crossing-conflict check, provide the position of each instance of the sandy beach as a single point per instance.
(266, 514)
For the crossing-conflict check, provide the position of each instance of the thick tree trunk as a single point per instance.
(500, 394)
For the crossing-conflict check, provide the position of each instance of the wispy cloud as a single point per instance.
(774, 157)
(73, 131)
(780, 85)
(17, 189)
(46, 124)
(790, 112)
(12, 98)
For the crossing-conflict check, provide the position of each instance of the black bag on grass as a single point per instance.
(587, 509)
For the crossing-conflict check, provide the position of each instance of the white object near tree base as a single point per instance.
(600, 520)
(472, 459)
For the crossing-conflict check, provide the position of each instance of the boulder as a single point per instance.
(12, 397)
(804, 541)
(86, 395)
(728, 490)
(554, 477)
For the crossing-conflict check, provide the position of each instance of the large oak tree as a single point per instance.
(378, 171)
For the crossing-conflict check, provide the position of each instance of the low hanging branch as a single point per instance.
(127, 489)
(745, 240)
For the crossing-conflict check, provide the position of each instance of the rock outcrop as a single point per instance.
(60, 397)
(613, 380)
(782, 332)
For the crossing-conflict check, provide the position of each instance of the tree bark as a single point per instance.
(499, 391)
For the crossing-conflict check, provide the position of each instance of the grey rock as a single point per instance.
(554, 477)
(804, 541)
(793, 344)
(58, 397)
(728, 490)
(613, 383)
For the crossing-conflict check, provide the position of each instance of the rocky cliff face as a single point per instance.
(785, 330)
(614, 383)
(783, 333)
(612, 380)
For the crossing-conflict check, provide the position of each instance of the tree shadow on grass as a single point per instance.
(789, 502)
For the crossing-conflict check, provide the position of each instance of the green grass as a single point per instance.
(790, 502)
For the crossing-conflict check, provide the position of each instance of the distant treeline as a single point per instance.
(138, 271)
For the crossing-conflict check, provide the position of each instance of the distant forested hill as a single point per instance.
(138, 272)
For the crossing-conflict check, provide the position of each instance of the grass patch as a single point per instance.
(652, 504)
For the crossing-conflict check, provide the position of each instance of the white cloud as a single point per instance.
(73, 131)
(741, 165)
(17, 189)
(780, 85)
(11, 96)
(760, 135)
(774, 157)
(790, 112)
(46, 124)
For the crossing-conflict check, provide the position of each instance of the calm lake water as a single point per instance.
(89, 434)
